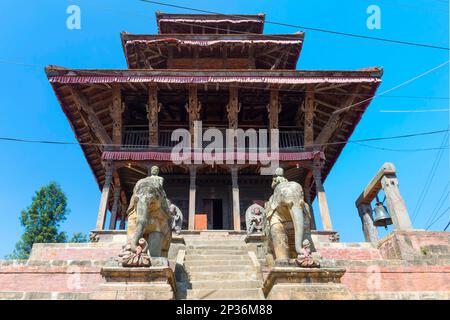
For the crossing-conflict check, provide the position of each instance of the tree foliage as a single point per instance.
(42, 219)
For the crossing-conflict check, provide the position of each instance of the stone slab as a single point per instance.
(152, 283)
(294, 283)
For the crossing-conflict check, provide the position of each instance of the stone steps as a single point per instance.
(238, 247)
(225, 294)
(227, 284)
(217, 251)
(220, 268)
(214, 276)
(214, 257)
(34, 295)
(208, 263)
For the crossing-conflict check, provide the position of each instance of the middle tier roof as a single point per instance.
(217, 51)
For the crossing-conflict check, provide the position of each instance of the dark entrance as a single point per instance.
(213, 208)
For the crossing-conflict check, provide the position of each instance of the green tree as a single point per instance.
(78, 237)
(41, 221)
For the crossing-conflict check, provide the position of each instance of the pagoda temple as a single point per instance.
(223, 71)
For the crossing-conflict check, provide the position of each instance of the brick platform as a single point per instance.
(403, 265)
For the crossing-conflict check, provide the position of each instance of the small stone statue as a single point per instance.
(140, 258)
(154, 171)
(177, 218)
(278, 177)
(306, 259)
(255, 218)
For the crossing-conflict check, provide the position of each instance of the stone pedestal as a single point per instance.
(294, 283)
(415, 245)
(153, 283)
(256, 242)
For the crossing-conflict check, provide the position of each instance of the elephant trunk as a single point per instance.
(298, 221)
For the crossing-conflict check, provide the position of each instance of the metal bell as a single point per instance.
(382, 217)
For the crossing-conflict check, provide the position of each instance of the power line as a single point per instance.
(305, 27)
(438, 218)
(430, 178)
(439, 204)
(395, 87)
(448, 224)
(415, 111)
(404, 136)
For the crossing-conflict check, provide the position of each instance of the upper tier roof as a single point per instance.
(209, 23)
(243, 51)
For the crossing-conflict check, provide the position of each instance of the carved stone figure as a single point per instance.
(306, 258)
(286, 210)
(140, 258)
(177, 218)
(254, 218)
(149, 216)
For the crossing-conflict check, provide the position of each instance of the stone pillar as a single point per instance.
(321, 198)
(192, 191)
(236, 203)
(153, 108)
(115, 208)
(395, 203)
(370, 231)
(105, 196)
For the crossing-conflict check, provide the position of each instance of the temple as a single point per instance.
(224, 72)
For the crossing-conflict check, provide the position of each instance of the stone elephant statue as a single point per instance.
(287, 210)
(149, 217)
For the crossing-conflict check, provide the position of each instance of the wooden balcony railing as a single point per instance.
(138, 139)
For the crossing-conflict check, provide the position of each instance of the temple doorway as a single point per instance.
(214, 211)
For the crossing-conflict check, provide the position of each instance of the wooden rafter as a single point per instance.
(82, 104)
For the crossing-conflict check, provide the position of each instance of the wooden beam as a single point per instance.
(334, 121)
(97, 127)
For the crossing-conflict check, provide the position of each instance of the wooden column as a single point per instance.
(308, 109)
(116, 115)
(123, 215)
(236, 202)
(321, 198)
(153, 108)
(369, 230)
(251, 57)
(115, 208)
(192, 198)
(395, 203)
(273, 109)
(109, 167)
(170, 57)
(233, 108)
(193, 108)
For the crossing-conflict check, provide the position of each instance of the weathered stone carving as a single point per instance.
(177, 218)
(149, 216)
(307, 259)
(286, 209)
(140, 258)
(254, 218)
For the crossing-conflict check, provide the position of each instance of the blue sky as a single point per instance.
(34, 33)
